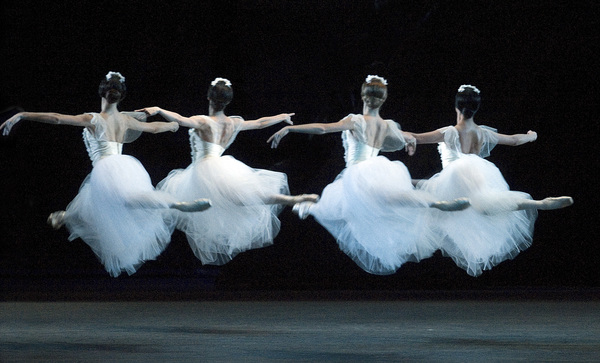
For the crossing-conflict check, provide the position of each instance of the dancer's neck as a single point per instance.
(367, 111)
(212, 112)
(108, 107)
(462, 121)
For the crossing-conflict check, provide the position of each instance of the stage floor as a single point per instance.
(300, 331)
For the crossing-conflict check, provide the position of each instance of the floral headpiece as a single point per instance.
(111, 73)
(372, 78)
(218, 79)
(464, 87)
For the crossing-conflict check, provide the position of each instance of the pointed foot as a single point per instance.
(556, 203)
(56, 219)
(302, 209)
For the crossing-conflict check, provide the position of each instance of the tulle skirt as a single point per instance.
(239, 218)
(376, 216)
(119, 214)
(489, 232)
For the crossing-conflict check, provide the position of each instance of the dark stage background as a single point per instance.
(533, 62)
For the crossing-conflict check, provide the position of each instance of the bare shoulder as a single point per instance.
(84, 119)
(201, 121)
(135, 116)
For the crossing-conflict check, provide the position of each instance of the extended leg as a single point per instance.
(197, 205)
(416, 199)
(159, 200)
(292, 199)
(546, 204)
(451, 205)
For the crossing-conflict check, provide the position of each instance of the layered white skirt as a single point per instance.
(376, 216)
(239, 219)
(489, 232)
(119, 214)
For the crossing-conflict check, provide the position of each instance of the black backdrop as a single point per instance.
(533, 62)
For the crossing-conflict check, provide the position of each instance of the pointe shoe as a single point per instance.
(556, 202)
(453, 205)
(197, 205)
(302, 209)
(56, 219)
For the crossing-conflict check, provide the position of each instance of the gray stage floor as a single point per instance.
(300, 331)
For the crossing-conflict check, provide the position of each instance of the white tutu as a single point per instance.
(376, 216)
(489, 232)
(239, 219)
(117, 212)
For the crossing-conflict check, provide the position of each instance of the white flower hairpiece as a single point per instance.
(465, 86)
(111, 73)
(371, 78)
(218, 79)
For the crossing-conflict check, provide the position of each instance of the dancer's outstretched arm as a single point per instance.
(517, 139)
(314, 128)
(151, 127)
(196, 122)
(264, 122)
(431, 137)
(83, 120)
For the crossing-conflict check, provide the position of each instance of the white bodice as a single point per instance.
(450, 149)
(356, 151)
(356, 148)
(97, 148)
(96, 144)
(203, 149)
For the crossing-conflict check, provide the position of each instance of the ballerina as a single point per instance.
(246, 202)
(500, 223)
(372, 208)
(117, 211)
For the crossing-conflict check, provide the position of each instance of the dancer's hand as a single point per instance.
(8, 124)
(286, 117)
(411, 145)
(150, 111)
(532, 135)
(275, 139)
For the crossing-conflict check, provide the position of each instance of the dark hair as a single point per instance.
(112, 89)
(220, 95)
(467, 101)
(374, 93)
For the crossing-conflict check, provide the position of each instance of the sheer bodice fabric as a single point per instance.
(451, 150)
(493, 229)
(117, 211)
(372, 209)
(356, 151)
(240, 218)
(201, 148)
(99, 148)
